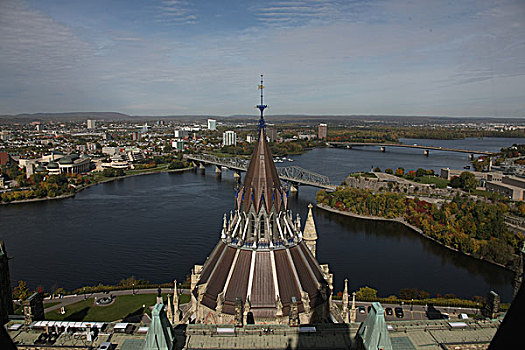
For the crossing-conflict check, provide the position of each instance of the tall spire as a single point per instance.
(262, 186)
(261, 107)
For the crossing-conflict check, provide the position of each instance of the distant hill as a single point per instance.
(293, 118)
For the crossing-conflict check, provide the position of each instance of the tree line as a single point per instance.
(472, 227)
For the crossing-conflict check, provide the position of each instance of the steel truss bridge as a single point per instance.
(293, 174)
(425, 148)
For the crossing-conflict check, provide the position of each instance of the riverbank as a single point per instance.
(80, 189)
(407, 224)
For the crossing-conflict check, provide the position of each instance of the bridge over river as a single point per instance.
(292, 174)
(426, 149)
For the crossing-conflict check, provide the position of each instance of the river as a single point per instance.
(156, 227)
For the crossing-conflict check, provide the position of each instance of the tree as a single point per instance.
(389, 171)
(400, 171)
(366, 293)
(21, 291)
(468, 181)
(377, 170)
(421, 172)
(455, 182)
(409, 293)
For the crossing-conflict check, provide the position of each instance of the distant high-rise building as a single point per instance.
(212, 124)
(6, 299)
(181, 133)
(177, 145)
(91, 124)
(229, 138)
(323, 130)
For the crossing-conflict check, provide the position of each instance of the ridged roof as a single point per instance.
(262, 277)
(261, 183)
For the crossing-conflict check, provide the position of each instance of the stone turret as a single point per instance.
(345, 302)
(176, 319)
(310, 232)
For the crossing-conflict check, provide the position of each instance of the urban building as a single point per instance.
(91, 124)
(212, 124)
(229, 138)
(5, 158)
(514, 181)
(177, 145)
(512, 192)
(135, 136)
(250, 139)
(6, 298)
(322, 131)
(5, 135)
(181, 133)
(91, 147)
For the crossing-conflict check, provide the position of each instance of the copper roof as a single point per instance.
(261, 183)
(251, 275)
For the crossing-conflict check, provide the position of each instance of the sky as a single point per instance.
(319, 57)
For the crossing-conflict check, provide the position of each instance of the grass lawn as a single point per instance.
(438, 181)
(124, 306)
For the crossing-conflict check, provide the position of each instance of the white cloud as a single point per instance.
(319, 57)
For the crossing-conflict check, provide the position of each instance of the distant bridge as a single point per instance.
(293, 174)
(426, 149)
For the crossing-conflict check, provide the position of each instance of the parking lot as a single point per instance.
(415, 312)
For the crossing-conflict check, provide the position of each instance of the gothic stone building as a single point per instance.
(263, 269)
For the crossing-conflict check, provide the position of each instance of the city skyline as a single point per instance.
(318, 57)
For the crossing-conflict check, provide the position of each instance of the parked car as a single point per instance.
(362, 310)
(389, 311)
(399, 312)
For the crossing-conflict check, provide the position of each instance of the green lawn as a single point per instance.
(124, 306)
(438, 181)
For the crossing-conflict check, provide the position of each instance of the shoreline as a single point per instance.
(410, 226)
(80, 189)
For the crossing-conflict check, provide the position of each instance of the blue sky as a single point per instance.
(455, 58)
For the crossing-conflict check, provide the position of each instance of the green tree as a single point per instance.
(389, 171)
(366, 293)
(455, 182)
(21, 291)
(468, 181)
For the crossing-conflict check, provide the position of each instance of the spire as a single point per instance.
(262, 186)
(345, 302)
(261, 107)
(310, 232)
